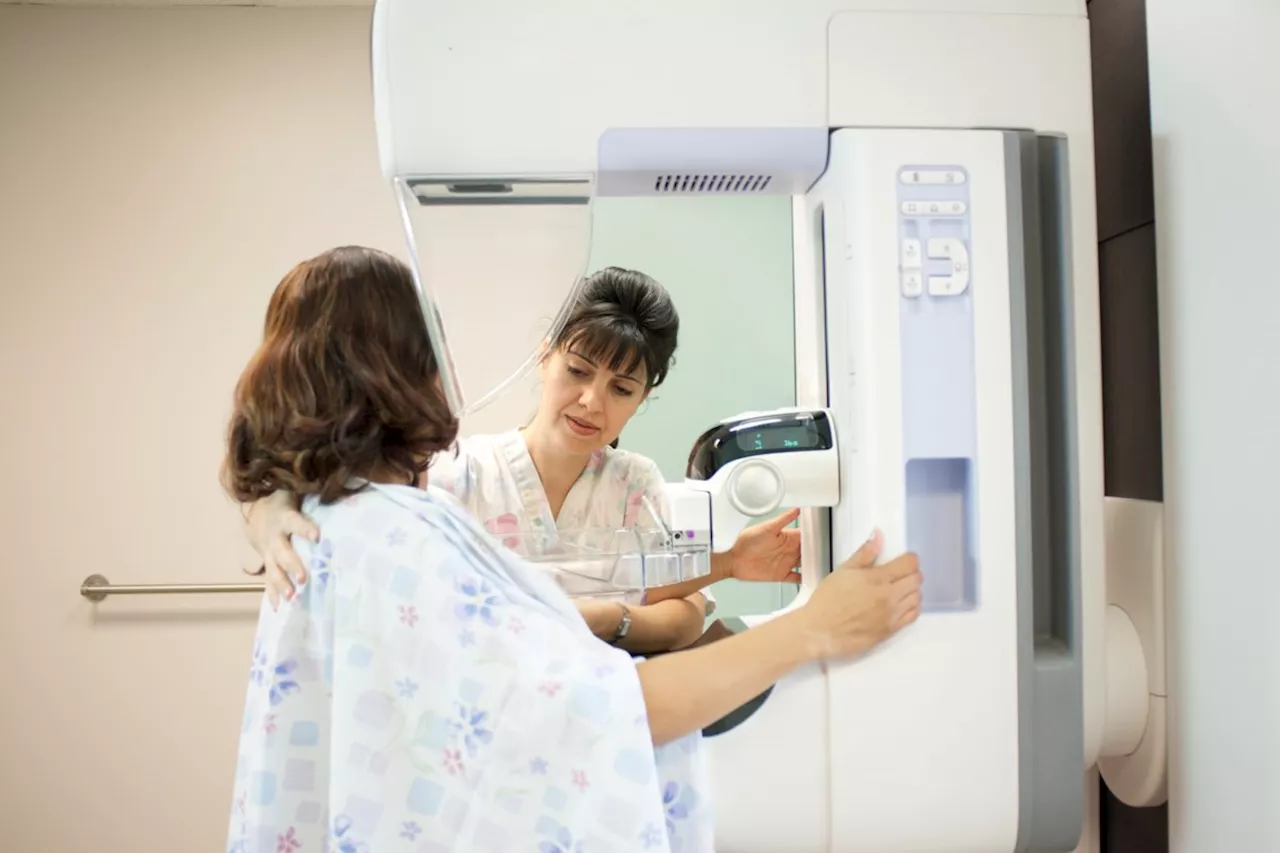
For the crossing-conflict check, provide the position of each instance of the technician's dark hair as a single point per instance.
(344, 384)
(621, 320)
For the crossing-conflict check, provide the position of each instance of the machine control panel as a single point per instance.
(934, 212)
(933, 208)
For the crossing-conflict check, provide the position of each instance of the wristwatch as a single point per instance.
(624, 625)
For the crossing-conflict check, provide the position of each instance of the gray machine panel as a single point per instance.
(1050, 676)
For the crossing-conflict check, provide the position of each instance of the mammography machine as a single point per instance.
(938, 154)
(743, 468)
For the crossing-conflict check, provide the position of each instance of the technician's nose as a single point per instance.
(590, 399)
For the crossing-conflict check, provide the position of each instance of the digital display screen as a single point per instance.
(766, 438)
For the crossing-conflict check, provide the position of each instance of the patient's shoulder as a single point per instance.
(383, 526)
(377, 542)
(380, 507)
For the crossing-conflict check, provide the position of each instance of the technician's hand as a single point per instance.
(860, 604)
(272, 520)
(768, 551)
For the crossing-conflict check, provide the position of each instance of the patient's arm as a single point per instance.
(662, 627)
(688, 691)
(855, 607)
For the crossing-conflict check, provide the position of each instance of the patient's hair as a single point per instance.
(343, 386)
(623, 318)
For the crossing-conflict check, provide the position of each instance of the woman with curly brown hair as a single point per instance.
(427, 684)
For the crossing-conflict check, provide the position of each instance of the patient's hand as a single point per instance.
(272, 520)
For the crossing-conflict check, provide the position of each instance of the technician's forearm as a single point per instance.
(664, 626)
(688, 690)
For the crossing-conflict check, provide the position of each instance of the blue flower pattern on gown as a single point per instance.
(426, 691)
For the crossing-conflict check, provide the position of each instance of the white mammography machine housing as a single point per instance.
(939, 155)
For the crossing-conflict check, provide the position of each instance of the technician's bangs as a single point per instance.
(614, 344)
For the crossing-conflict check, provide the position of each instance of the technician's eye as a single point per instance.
(574, 371)
(623, 391)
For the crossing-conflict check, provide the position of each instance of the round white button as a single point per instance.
(756, 489)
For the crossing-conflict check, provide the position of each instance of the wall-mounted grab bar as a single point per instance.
(97, 587)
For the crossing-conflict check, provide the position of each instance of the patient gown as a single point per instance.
(428, 691)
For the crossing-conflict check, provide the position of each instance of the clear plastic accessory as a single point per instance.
(491, 266)
(614, 563)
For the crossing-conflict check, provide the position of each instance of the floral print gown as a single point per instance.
(427, 691)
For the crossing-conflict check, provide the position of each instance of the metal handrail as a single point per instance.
(97, 587)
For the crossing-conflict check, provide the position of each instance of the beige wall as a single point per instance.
(159, 171)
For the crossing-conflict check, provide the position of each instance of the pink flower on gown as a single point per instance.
(634, 511)
(506, 528)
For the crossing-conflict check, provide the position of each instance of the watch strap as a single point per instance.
(624, 625)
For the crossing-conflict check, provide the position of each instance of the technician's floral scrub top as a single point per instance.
(494, 477)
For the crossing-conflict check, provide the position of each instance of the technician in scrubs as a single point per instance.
(562, 473)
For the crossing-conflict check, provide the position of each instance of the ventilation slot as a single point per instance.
(711, 183)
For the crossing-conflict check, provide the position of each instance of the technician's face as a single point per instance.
(584, 404)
